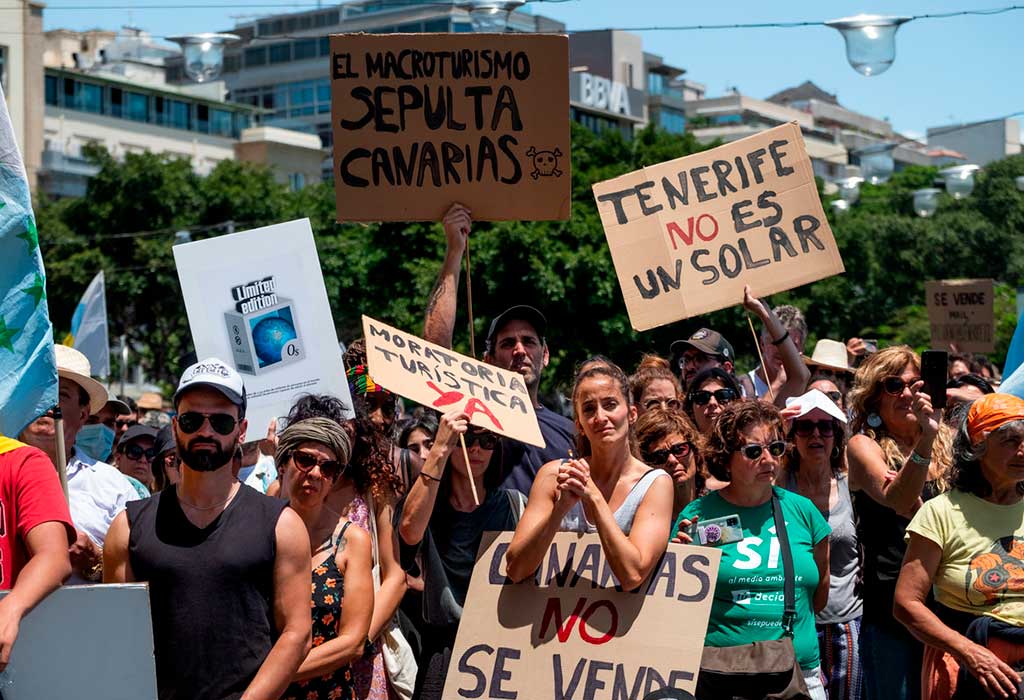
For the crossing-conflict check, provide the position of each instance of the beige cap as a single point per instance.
(150, 401)
(830, 354)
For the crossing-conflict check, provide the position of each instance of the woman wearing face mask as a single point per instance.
(442, 524)
(606, 490)
(745, 449)
(816, 468)
(315, 452)
(899, 456)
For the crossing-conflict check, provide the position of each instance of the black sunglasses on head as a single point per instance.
(305, 461)
(136, 452)
(680, 450)
(703, 397)
(753, 451)
(486, 439)
(222, 423)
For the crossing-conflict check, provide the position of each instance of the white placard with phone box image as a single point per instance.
(257, 300)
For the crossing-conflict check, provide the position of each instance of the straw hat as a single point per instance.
(830, 354)
(150, 401)
(74, 366)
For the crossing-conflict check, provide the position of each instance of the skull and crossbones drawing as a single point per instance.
(545, 163)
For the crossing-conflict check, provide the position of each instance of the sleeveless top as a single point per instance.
(881, 532)
(371, 679)
(844, 601)
(576, 519)
(211, 590)
(328, 592)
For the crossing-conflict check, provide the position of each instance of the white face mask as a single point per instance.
(95, 440)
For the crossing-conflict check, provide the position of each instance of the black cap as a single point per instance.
(165, 440)
(708, 342)
(138, 431)
(517, 313)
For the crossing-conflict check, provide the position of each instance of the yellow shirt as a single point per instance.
(982, 567)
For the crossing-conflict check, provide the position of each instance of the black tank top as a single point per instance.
(211, 591)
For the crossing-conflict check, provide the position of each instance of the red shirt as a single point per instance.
(30, 494)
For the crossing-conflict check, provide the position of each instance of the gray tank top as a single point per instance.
(844, 600)
(576, 519)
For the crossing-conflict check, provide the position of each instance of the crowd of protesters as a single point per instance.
(330, 556)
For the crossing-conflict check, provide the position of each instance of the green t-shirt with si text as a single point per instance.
(749, 599)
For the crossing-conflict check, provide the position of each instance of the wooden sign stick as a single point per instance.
(469, 305)
(469, 468)
(757, 346)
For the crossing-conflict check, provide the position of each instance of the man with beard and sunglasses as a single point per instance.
(227, 567)
(515, 341)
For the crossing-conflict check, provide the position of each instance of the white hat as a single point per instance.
(75, 367)
(815, 399)
(830, 354)
(217, 374)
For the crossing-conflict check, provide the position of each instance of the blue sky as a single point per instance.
(946, 70)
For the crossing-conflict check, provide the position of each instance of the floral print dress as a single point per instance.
(328, 591)
(370, 676)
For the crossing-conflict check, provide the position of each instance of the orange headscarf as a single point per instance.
(991, 412)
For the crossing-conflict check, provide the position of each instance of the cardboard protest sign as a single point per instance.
(686, 235)
(257, 300)
(434, 376)
(425, 120)
(570, 634)
(59, 655)
(961, 314)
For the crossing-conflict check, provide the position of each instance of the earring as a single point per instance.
(874, 420)
(835, 451)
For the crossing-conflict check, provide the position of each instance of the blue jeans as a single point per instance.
(892, 663)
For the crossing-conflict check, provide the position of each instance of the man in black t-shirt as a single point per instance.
(228, 568)
(515, 341)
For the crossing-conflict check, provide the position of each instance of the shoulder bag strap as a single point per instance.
(789, 590)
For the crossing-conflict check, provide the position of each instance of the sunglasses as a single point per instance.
(305, 461)
(678, 450)
(671, 404)
(836, 396)
(703, 397)
(806, 428)
(894, 386)
(136, 452)
(487, 440)
(125, 423)
(222, 423)
(753, 451)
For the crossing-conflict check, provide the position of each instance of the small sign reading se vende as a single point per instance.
(961, 314)
(425, 120)
(687, 235)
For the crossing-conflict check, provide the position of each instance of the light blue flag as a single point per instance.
(89, 327)
(28, 370)
(1015, 355)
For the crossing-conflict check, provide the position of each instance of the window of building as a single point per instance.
(137, 107)
(280, 53)
(256, 56)
(672, 121)
(159, 113)
(325, 46)
(296, 181)
(410, 28)
(263, 28)
(203, 119)
(655, 83)
(87, 97)
(323, 90)
(232, 63)
(462, 27)
(301, 93)
(220, 122)
(242, 121)
(306, 22)
(304, 49)
(52, 87)
(116, 102)
(436, 25)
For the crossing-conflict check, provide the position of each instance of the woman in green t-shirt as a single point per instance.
(744, 449)
(968, 546)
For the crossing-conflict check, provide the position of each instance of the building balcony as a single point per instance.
(59, 162)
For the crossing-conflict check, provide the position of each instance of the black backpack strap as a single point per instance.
(789, 586)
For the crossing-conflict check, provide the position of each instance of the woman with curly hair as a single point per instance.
(668, 440)
(654, 385)
(745, 449)
(967, 546)
(899, 456)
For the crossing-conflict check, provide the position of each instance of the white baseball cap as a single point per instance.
(217, 374)
(815, 399)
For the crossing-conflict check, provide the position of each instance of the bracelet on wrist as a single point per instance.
(781, 340)
(431, 477)
(920, 460)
